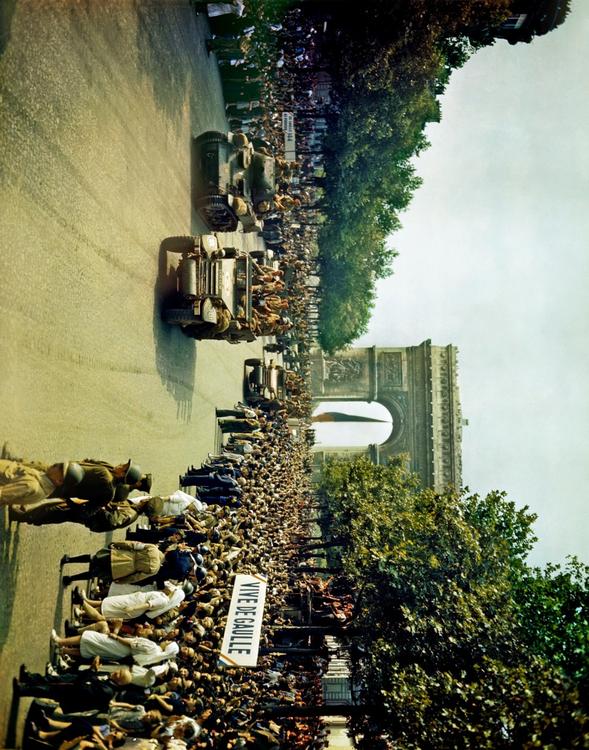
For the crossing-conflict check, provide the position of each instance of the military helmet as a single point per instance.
(133, 473)
(73, 473)
(200, 572)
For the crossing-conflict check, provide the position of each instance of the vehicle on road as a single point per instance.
(213, 295)
(232, 178)
(263, 380)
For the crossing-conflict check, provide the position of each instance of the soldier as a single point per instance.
(101, 484)
(23, 483)
(114, 515)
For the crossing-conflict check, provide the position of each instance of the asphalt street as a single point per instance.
(99, 102)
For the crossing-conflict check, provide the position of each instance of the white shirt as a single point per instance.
(221, 9)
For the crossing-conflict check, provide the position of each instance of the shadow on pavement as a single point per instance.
(197, 223)
(7, 8)
(8, 573)
(175, 353)
(162, 62)
(12, 723)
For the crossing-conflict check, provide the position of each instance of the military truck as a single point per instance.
(232, 180)
(213, 295)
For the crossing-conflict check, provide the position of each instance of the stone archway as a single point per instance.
(351, 423)
(418, 385)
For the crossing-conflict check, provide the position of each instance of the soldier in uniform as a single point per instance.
(24, 483)
(102, 485)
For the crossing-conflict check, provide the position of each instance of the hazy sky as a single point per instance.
(494, 258)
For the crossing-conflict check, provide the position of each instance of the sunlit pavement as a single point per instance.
(98, 104)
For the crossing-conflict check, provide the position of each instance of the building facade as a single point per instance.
(419, 387)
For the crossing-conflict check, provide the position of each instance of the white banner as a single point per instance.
(289, 135)
(244, 622)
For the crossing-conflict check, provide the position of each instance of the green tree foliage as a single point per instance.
(553, 607)
(460, 643)
(398, 58)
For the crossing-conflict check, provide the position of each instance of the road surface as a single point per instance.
(99, 102)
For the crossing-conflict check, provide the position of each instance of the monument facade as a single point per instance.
(419, 387)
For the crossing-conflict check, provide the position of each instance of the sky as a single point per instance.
(494, 258)
(351, 434)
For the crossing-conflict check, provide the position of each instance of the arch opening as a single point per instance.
(351, 424)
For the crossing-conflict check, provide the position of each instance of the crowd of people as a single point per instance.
(267, 70)
(137, 664)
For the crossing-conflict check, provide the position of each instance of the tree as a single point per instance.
(443, 597)
(399, 57)
(553, 616)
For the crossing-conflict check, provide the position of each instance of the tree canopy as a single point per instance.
(398, 59)
(456, 641)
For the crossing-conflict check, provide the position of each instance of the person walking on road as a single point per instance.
(21, 483)
(114, 515)
(100, 484)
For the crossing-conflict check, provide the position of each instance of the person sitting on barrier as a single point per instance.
(208, 481)
(152, 604)
(113, 647)
(176, 504)
(80, 691)
(78, 731)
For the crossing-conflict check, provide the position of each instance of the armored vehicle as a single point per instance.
(232, 180)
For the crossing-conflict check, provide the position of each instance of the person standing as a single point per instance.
(100, 485)
(237, 424)
(114, 515)
(22, 483)
(235, 7)
(123, 562)
(83, 691)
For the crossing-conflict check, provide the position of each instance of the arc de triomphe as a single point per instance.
(419, 387)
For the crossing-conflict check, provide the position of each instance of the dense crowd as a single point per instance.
(267, 71)
(137, 664)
